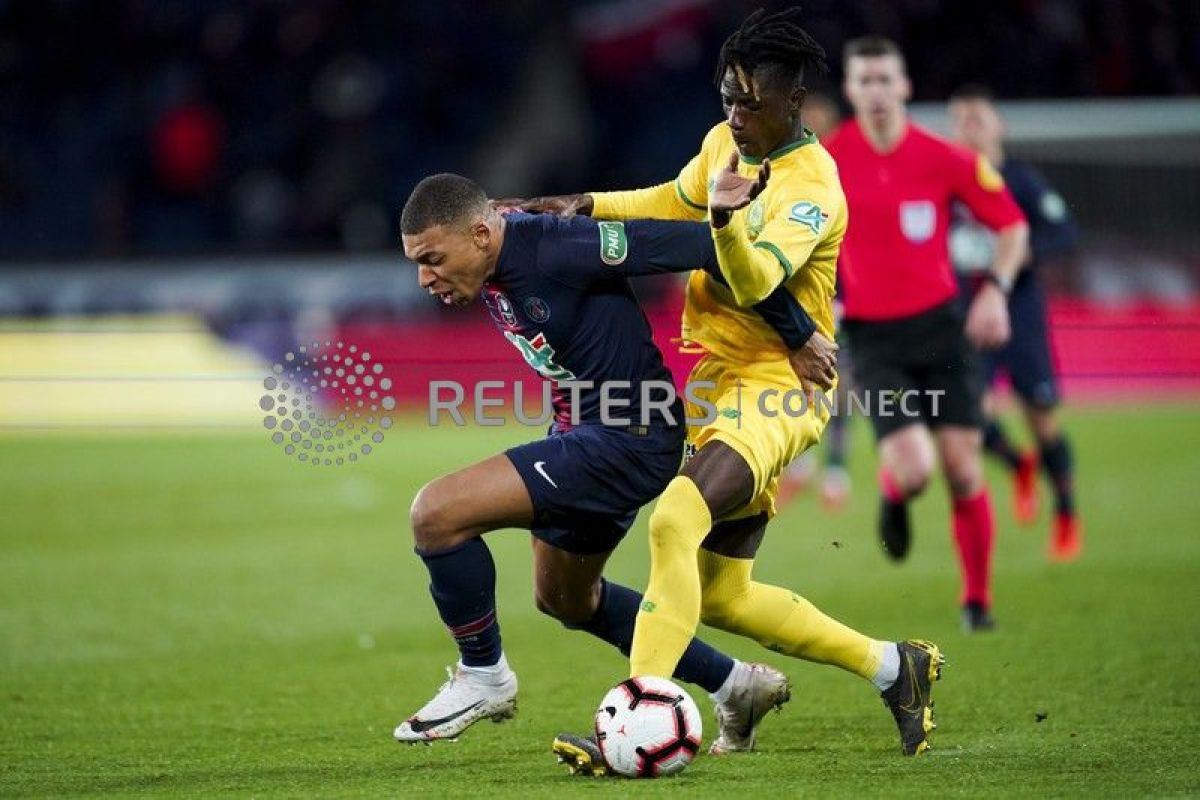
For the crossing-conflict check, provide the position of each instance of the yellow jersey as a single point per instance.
(790, 234)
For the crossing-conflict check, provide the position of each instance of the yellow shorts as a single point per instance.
(760, 413)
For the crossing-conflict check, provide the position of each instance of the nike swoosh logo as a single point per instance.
(916, 700)
(422, 725)
(540, 466)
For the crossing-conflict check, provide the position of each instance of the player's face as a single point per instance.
(976, 123)
(760, 116)
(451, 263)
(877, 87)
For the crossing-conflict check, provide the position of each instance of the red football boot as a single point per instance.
(1025, 490)
(1067, 543)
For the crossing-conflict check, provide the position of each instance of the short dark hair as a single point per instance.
(442, 199)
(973, 91)
(871, 47)
(772, 40)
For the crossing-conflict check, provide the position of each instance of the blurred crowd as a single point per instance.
(208, 126)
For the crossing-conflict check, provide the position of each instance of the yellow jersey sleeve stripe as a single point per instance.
(683, 196)
(783, 260)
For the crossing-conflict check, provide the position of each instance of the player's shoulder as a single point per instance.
(533, 227)
(811, 169)
(930, 144)
(841, 137)
(717, 141)
(1018, 172)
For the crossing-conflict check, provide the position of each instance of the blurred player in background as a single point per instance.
(1027, 357)
(822, 116)
(770, 193)
(902, 317)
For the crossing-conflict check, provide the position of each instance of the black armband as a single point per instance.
(782, 311)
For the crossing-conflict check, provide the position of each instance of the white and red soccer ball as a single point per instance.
(648, 728)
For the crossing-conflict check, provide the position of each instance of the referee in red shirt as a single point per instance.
(901, 315)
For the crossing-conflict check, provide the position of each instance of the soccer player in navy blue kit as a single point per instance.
(1026, 358)
(558, 290)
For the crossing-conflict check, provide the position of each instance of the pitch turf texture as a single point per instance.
(199, 615)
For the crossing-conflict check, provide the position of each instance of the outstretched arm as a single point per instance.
(589, 251)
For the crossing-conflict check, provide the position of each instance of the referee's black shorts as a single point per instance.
(925, 362)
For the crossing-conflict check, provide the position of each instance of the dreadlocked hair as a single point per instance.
(770, 39)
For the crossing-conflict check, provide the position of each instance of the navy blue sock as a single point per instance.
(1057, 461)
(614, 620)
(997, 443)
(463, 585)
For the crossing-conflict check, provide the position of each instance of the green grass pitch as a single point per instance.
(198, 615)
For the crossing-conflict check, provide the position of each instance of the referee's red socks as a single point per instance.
(974, 533)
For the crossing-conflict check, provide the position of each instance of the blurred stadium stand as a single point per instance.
(238, 167)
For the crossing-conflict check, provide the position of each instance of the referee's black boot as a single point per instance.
(894, 531)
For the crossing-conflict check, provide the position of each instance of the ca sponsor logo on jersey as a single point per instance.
(538, 353)
(614, 246)
(918, 220)
(809, 215)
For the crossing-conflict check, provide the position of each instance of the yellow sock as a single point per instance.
(670, 609)
(780, 620)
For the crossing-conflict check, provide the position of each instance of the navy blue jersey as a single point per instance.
(561, 296)
(1052, 231)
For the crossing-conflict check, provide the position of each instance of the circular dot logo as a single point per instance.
(327, 405)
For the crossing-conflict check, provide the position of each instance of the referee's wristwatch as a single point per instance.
(1005, 285)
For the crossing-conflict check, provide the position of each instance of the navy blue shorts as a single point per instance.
(588, 483)
(1026, 359)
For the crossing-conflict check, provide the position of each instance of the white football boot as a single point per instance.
(758, 688)
(470, 694)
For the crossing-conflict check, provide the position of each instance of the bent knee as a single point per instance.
(718, 612)
(913, 478)
(964, 474)
(571, 609)
(432, 520)
(680, 518)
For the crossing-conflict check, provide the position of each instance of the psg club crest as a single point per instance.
(537, 309)
(918, 220)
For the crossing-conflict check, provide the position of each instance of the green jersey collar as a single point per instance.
(808, 138)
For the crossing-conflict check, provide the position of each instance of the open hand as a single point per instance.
(987, 319)
(562, 205)
(731, 191)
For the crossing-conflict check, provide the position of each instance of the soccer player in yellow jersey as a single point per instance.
(771, 194)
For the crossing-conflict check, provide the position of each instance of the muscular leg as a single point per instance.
(973, 522)
(449, 516)
(995, 441)
(1057, 461)
(777, 618)
(570, 588)
(1055, 455)
(717, 481)
(906, 458)
(714, 482)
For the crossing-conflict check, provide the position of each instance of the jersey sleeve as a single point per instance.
(978, 184)
(1052, 230)
(581, 252)
(795, 227)
(685, 198)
